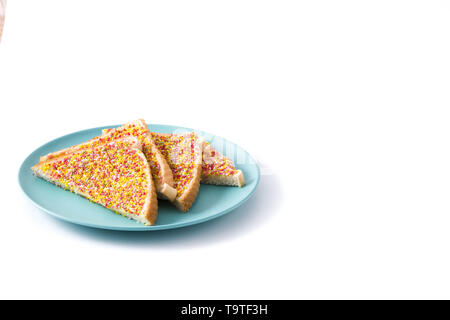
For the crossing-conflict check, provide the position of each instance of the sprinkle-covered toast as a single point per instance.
(183, 152)
(115, 175)
(218, 169)
(161, 172)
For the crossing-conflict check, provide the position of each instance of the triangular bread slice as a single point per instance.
(183, 152)
(218, 169)
(115, 175)
(161, 172)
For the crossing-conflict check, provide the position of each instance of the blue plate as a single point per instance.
(212, 201)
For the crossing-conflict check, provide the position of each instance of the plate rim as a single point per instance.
(139, 227)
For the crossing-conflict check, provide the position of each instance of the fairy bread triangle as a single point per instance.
(115, 175)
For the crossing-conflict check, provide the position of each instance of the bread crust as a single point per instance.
(149, 212)
(164, 186)
(236, 180)
(185, 201)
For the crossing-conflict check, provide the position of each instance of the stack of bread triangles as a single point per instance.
(127, 168)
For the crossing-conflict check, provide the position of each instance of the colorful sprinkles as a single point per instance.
(179, 151)
(213, 162)
(142, 134)
(216, 164)
(113, 175)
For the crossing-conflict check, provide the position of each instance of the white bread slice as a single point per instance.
(115, 175)
(218, 169)
(161, 172)
(183, 152)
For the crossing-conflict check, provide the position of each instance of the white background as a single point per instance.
(345, 105)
